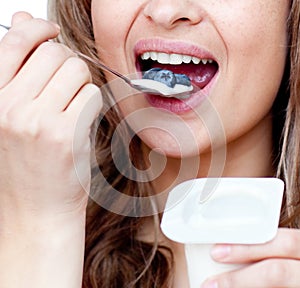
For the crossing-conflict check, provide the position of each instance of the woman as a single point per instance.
(251, 48)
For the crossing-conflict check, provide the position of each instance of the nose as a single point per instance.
(171, 13)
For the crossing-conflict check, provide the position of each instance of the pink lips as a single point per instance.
(180, 106)
(205, 78)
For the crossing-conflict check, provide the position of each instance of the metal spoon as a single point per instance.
(135, 83)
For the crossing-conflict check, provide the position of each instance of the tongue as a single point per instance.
(200, 75)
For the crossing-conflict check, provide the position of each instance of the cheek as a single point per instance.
(256, 53)
(111, 20)
(255, 35)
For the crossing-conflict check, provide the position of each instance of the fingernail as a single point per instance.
(220, 252)
(210, 284)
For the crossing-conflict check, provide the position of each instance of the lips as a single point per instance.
(199, 65)
(180, 58)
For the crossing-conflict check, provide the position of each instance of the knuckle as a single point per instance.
(16, 124)
(93, 95)
(93, 89)
(18, 121)
(40, 22)
(289, 244)
(6, 118)
(50, 50)
(50, 134)
(25, 126)
(63, 146)
(226, 281)
(31, 130)
(60, 138)
(79, 66)
(247, 252)
(275, 271)
(3, 121)
(14, 40)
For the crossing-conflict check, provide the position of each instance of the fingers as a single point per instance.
(273, 264)
(52, 75)
(285, 245)
(64, 85)
(85, 107)
(36, 73)
(271, 273)
(47, 103)
(18, 43)
(46, 77)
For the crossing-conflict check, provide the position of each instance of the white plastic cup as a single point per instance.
(234, 211)
(201, 266)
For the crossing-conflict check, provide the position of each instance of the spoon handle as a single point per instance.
(96, 62)
(4, 26)
(139, 87)
(103, 66)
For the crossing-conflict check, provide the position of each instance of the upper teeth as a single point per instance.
(173, 59)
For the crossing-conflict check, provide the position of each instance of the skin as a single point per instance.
(42, 199)
(42, 214)
(246, 37)
(233, 32)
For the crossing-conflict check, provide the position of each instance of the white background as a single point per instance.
(38, 8)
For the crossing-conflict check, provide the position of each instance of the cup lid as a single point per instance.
(234, 210)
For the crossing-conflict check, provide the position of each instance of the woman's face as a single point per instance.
(241, 46)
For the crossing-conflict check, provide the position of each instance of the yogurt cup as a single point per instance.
(200, 265)
(206, 211)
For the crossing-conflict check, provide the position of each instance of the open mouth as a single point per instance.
(199, 71)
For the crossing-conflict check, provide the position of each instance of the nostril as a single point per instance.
(170, 13)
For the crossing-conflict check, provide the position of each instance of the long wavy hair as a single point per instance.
(114, 256)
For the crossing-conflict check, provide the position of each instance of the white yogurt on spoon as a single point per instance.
(163, 88)
(165, 83)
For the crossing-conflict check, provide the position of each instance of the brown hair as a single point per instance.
(114, 257)
(288, 168)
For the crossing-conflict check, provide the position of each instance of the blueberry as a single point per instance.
(182, 79)
(166, 77)
(150, 74)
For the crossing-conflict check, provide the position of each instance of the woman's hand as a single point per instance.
(274, 264)
(44, 89)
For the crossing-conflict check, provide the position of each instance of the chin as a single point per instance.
(164, 143)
